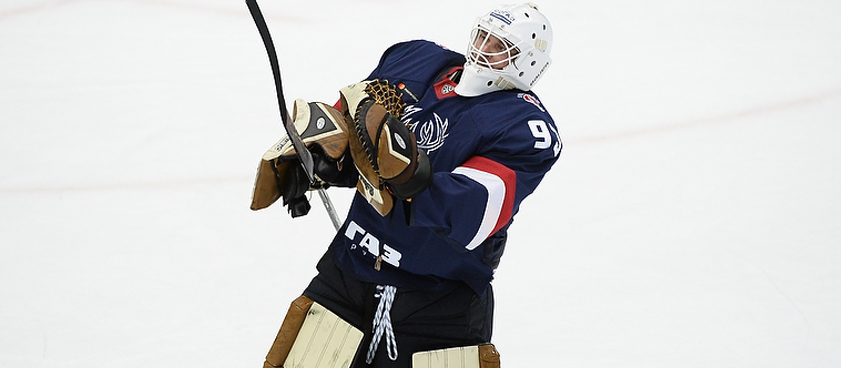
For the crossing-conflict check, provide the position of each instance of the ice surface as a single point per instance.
(692, 221)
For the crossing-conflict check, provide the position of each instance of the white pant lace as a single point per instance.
(382, 324)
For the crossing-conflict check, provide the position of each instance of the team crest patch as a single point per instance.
(532, 100)
(445, 88)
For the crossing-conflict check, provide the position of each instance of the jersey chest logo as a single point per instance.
(431, 133)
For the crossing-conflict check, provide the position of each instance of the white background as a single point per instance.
(692, 220)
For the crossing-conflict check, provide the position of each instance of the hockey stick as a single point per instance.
(304, 155)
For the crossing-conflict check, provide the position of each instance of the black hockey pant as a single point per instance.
(421, 320)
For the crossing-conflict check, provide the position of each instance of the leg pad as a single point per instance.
(312, 336)
(476, 356)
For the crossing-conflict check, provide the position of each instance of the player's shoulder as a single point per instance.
(414, 46)
(419, 52)
(510, 106)
(417, 60)
(513, 119)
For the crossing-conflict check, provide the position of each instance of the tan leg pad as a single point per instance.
(476, 356)
(288, 332)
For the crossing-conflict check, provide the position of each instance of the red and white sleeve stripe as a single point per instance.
(501, 183)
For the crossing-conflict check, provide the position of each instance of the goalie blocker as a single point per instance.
(311, 336)
(324, 131)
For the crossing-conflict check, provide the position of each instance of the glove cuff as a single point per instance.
(420, 179)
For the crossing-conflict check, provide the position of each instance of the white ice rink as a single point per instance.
(693, 219)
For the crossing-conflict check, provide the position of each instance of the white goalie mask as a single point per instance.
(509, 48)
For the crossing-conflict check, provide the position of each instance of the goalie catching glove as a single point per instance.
(280, 174)
(384, 151)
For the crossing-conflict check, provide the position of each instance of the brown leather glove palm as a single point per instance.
(384, 151)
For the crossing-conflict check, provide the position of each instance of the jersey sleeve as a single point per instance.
(397, 54)
(481, 195)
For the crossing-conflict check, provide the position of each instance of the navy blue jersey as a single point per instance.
(488, 153)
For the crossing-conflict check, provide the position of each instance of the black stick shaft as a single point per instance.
(304, 155)
(257, 15)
